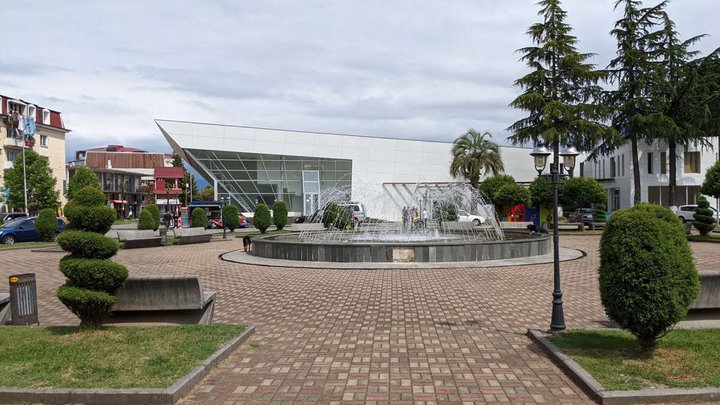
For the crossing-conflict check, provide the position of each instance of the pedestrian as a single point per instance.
(405, 217)
(424, 218)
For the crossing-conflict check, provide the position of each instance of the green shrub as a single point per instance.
(335, 215)
(704, 221)
(89, 245)
(145, 222)
(261, 219)
(199, 219)
(93, 274)
(46, 224)
(81, 178)
(90, 197)
(581, 192)
(450, 212)
(510, 195)
(280, 214)
(155, 214)
(98, 219)
(490, 186)
(230, 216)
(647, 274)
(600, 214)
(92, 307)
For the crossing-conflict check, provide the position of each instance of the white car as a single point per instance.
(686, 212)
(464, 216)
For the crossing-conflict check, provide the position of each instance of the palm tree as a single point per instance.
(475, 155)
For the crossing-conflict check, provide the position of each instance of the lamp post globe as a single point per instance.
(540, 155)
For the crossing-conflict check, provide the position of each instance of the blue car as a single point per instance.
(23, 230)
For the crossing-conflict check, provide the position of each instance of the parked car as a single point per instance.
(23, 230)
(9, 216)
(243, 222)
(217, 223)
(584, 215)
(464, 216)
(356, 211)
(685, 212)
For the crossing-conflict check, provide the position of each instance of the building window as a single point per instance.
(11, 156)
(692, 162)
(663, 162)
(46, 117)
(15, 107)
(623, 165)
(650, 163)
(582, 169)
(613, 172)
(43, 141)
(31, 111)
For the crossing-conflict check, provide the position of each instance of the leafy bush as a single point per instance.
(581, 192)
(704, 221)
(155, 214)
(92, 307)
(90, 197)
(88, 244)
(145, 221)
(647, 274)
(46, 224)
(94, 274)
(335, 215)
(280, 214)
(81, 178)
(261, 219)
(600, 214)
(199, 219)
(510, 195)
(491, 185)
(230, 217)
(92, 219)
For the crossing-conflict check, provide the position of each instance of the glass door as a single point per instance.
(311, 191)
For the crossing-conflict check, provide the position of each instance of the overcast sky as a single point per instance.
(407, 69)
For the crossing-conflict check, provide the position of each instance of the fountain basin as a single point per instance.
(445, 249)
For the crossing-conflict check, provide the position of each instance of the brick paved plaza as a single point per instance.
(371, 336)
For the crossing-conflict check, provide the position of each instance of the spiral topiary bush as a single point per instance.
(704, 221)
(199, 219)
(261, 219)
(92, 279)
(46, 224)
(647, 274)
(280, 214)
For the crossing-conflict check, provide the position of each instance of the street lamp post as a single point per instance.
(569, 155)
(222, 216)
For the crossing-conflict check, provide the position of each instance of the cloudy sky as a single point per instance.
(411, 69)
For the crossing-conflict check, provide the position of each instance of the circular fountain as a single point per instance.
(432, 223)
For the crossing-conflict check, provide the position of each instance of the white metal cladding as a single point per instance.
(375, 160)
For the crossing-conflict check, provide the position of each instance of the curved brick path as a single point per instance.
(371, 336)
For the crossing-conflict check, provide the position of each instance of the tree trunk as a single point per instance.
(672, 157)
(637, 196)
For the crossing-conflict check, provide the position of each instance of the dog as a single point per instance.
(535, 230)
(247, 244)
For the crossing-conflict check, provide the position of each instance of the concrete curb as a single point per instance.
(598, 393)
(105, 396)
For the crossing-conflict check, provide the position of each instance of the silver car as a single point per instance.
(685, 212)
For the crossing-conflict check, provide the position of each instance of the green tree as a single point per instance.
(46, 224)
(560, 93)
(230, 217)
(582, 192)
(280, 214)
(154, 214)
(261, 219)
(474, 155)
(600, 214)
(198, 219)
(82, 177)
(511, 195)
(704, 221)
(207, 193)
(145, 221)
(177, 160)
(189, 189)
(541, 191)
(41, 191)
(711, 184)
(491, 185)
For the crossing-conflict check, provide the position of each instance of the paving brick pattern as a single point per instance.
(371, 336)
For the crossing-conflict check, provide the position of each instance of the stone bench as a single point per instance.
(302, 227)
(163, 299)
(571, 226)
(709, 296)
(191, 235)
(457, 226)
(4, 308)
(515, 225)
(138, 239)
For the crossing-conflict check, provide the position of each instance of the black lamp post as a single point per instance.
(569, 155)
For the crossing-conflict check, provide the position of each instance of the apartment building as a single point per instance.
(615, 172)
(48, 140)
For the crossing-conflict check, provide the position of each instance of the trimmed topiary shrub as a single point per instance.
(280, 214)
(230, 217)
(91, 278)
(81, 178)
(145, 222)
(647, 274)
(600, 214)
(334, 215)
(261, 219)
(199, 219)
(155, 215)
(704, 221)
(46, 224)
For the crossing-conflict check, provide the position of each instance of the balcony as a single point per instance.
(13, 142)
(7, 165)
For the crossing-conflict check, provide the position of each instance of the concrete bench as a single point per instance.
(4, 308)
(191, 235)
(572, 226)
(457, 226)
(163, 299)
(709, 296)
(302, 227)
(515, 225)
(138, 239)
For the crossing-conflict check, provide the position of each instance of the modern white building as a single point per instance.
(615, 172)
(252, 165)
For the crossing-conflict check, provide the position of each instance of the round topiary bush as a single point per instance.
(89, 245)
(198, 219)
(280, 214)
(92, 307)
(154, 214)
(704, 221)
(92, 219)
(145, 221)
(94, 274)
(230, 217)
(261, 219)
(647, 274)
(46, 224)
(90, 197)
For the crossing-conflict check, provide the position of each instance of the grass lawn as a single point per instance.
(114, 357)
(24, 245)
(683, 358)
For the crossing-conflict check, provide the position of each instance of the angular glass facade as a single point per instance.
(251, 178)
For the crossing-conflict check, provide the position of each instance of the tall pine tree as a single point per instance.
(560, 91)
